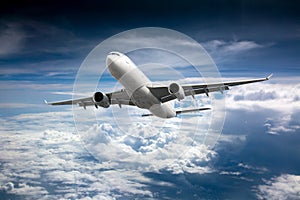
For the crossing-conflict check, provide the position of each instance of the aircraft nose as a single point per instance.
(109, 60)
(112, 57)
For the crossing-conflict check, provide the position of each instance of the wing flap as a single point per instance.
(193, 90)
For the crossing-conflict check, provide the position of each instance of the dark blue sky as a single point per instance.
(62, 33)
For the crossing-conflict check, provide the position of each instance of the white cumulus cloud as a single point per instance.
(285, 186)
(280, 100)
(41, 151)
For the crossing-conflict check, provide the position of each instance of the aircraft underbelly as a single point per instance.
(143, 98)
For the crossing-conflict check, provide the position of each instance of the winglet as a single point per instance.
(269, 77)
(46, 102)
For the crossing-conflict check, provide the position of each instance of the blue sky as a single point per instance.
(43, 44)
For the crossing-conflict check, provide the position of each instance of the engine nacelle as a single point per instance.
(177, 90)
(101, 99)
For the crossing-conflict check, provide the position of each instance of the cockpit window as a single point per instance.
(114, 53)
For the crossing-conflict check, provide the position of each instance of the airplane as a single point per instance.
(139, 91)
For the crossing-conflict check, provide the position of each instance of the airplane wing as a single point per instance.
(118, 97)
(163, 94)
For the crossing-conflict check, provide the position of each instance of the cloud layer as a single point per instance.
(42, 156)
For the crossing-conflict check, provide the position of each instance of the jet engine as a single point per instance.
(176, 90)
(101, 99)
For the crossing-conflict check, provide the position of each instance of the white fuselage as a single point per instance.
(135, 82)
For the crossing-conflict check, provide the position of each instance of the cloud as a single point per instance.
(11, 92)
(267, 95)
(43, 37)
(222, 50)
(285, 186)
(36, 48)
(194, 161)
(31, 85)
(230, 173)
(53, 157)
(19, 105)
(253, 168)
(231, 47)
(12, 39)
(281, 104)
(45, 151)
(7, 187)
(143, 145)
(26, 190)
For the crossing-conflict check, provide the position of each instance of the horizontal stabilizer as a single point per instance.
(147, 115)
(181, 111)
(191, 110)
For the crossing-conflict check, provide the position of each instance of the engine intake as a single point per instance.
(177, 90)
(101, 99)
